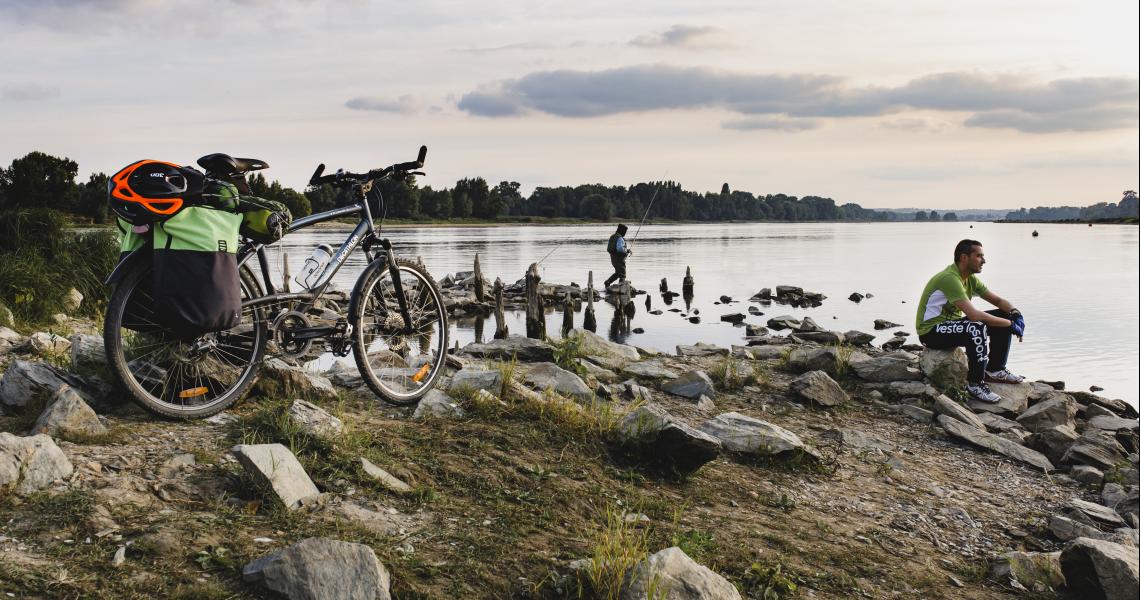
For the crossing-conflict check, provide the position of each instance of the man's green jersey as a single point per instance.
(936, 304)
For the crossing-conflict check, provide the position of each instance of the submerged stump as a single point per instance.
(535, 320)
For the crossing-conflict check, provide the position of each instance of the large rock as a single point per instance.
(945, 406)
(23, 380)
(31, 463)
(886, 368)
(1100, 569)
(858, 338)
(1117, 406)
(671, 575)
(67, 415)
(279, 379)
(314, 419)
(87, 351)
(1094, 514)
(819, 337)
(1096, 448)
(516, 347)
(648, 369)
(828, 360)
(817, 387)
(471, 380)
(383, 477)
(989, 441)
(946, 368)
(747, 435)
(549, 376)
(592, 344)
(45, 343)
(1059, 409)
(9, 339)
(783, 322)
(275, 467)
(439, 405)
(1108, 423)
(1035, 571)
(322, 569)
(1054, 442)
(666, 441)
(1014, 399)
(1065, 528)
(691, 385)
(998, 423)
(700, 349)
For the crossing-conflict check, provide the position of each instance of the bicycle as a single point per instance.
(396, 325)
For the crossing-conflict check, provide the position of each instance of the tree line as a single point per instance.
(42, 180)
(1128, 207)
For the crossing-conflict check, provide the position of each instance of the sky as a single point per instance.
(929, 104)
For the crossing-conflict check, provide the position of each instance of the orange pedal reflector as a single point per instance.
(193, 392)
(419, 376)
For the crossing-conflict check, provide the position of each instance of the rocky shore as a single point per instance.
(803, 465)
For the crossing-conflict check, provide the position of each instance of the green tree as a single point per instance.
(93, 198)
(950, 216)
(921, 216)
(597, 206)
(322, 197)
(483, 205)
(40, 180)
(934, 216)
(508, 193)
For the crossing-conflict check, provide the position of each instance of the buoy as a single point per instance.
(1035, 233)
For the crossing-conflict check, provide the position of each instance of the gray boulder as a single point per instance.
(858, 338)
(700, 349)
(819, 337)
(471, 380)
(279, 379)
(383, 477)
(1059, 409)
(1114, 423)
(31, 463)
(1097, 448)
(691, 385)
(674, 576)
(783, 322)
(1094, 514)
(946, 368)
(1086, 475)
(1035, 571)
(275, 467)
(9, 339)
(1100, 569)
(945, 406)
(548, 376)
(747, 435)
(439, 405)
(1065, 529)
(314, 419)
(45, 343)
(322, 569)
(6, 317)
(989, 441)
(885, 324)
(23, 380)
(817, 387)
(666, 441)
(1054, 442)
(592, 344)
(67, 415)
(886, 368)
(997, 423)
(1120, 407)
(808, 325)
(87, 351)
(1014, 399)
(648, 369)
(521, 348)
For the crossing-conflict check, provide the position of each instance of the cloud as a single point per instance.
(28, 92)
(684, 36)
(915, 125)
(404, 104)
(772, 124)
(1079, 104)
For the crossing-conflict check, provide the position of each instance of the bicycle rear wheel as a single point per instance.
(172, 376)
(399, 366)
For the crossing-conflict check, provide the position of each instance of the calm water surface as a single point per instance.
(1077, 285)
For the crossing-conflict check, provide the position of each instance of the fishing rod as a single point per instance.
(652, 199)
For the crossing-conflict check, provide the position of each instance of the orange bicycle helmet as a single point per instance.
(146, 191)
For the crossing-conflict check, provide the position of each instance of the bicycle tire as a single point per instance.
(141, 381)
(378, 348)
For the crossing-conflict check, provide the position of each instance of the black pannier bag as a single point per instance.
(196, 285)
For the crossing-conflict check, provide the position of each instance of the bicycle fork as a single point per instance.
(397, 285)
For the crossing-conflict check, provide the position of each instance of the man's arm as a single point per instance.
(1001, 303)
(974, 314)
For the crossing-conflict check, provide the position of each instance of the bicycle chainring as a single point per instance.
(283, 328)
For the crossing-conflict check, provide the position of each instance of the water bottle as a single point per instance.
(314, 266)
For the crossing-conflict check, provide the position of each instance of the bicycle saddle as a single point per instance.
(224, 164)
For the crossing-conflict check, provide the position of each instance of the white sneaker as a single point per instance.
(1003, 376)
(981, 393)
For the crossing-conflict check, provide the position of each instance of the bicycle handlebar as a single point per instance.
(341, 176)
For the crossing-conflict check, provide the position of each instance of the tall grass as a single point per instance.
(40, 260)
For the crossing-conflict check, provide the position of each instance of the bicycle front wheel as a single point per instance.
(399, 364)
(173, 376)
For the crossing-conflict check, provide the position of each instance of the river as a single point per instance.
(1076, 285)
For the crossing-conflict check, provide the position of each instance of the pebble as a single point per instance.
(120, 557)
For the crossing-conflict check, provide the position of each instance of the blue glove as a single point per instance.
(1017, 324)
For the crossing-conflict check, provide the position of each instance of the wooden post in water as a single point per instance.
(535, 320)
(687, 284)
(664, 285)
(500, 320)
(590, 321)
(478, 280)
(285, 272)
(567, 314)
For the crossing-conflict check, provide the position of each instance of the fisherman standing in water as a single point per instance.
(618, 251)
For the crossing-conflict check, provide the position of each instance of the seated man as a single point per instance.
(946, 319)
